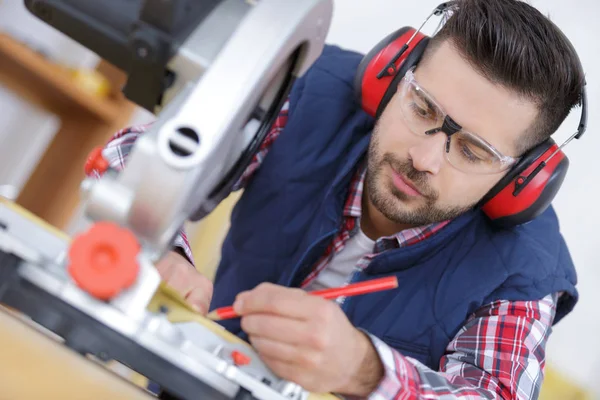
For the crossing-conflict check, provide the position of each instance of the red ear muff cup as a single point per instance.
(525, 162)
(370, 90)
(507, 210)
(413, 59)
(367, 61)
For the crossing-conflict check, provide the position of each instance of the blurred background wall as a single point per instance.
(29, 130)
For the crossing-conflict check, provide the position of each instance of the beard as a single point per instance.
(394, 204)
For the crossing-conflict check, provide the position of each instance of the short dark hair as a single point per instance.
(514, 45)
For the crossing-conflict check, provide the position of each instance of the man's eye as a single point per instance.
(469, 155)
(422, 112)
(474, 153)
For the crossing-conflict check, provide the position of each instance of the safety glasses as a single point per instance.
(464, 150)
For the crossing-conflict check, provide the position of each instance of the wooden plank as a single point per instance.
(115, 76)
(51, 84)
(52, 192)
(35, 366)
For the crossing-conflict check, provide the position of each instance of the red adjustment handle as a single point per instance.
(95, 162)
(240, 359)
(103, 260)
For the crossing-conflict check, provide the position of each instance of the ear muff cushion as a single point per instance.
(370, 56)
(506, 209)
(368, 89)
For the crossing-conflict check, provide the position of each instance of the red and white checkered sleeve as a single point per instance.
(119, 146)
(498, 354)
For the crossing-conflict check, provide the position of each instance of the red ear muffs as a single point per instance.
(522, 194)
(374, 84)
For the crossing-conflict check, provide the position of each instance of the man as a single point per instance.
(334, 196)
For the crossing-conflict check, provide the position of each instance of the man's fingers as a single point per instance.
(166, 266)
(181, 280)
(199, 298)
(273, 299)
(179, 274)
(283, 369)
(291, 372)
(169, 264)
(275, 350)
(306, 359)
(281, 329)
(201, 293)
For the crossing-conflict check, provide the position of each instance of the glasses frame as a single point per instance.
(409, 80)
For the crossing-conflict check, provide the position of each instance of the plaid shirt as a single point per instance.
(352, 212)
(498, 354)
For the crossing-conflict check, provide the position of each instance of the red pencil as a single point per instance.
(354, 289)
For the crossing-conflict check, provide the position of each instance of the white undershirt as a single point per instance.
(338, 271)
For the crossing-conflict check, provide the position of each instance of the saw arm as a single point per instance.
(215, 72)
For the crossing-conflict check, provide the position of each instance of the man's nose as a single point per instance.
(428, 153)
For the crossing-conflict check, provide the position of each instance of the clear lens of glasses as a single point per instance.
(464, 150)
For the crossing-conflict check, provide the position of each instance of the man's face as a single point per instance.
(410, 179)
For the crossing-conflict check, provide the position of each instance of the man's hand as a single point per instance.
(178, 273)
(308, 340)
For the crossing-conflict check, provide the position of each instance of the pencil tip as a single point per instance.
(213, 316)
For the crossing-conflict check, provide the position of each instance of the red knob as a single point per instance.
(240, 358)
(95, 162)
(103, 260)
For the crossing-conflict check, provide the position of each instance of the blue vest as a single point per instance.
(292, 209)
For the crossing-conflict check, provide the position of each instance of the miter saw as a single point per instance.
(215, 72)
